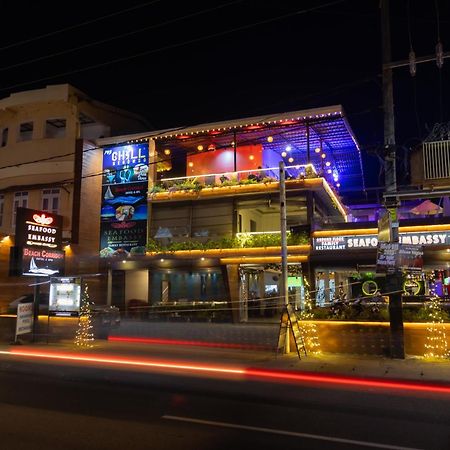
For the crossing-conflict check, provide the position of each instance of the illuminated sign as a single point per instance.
(41, 262)
(38, 229)
(123, 215)
(42, 219)
(64, 296)
(371, 241)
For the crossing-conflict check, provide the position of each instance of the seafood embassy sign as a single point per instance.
(371, 241)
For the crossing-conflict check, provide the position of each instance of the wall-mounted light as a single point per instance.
(167, 151)
(162, 259)
(190, 164)
(202, 258)
(251, 157)
(199, 148)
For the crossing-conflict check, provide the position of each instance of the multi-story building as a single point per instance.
(213, 212)
(46, 163)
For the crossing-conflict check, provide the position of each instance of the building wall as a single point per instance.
(136, 285)
(46, 158)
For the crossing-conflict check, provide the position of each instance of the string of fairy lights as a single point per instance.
(436, 345)
(84, 337)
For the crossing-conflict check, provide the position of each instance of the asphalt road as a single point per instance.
(71, 406)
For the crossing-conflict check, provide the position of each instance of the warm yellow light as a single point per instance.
(162, 259)
(5, 239)
(251, 157)
(269, 138)
(328, 164)
(324, 155)
(283, 154)
(329, 171)
(199, 148)
(191, 164)
(317, 150)
(167, 151)
(291, 160)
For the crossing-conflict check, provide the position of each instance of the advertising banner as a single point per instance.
(123, 228)
(24, 322)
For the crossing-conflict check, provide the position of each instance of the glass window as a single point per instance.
(55, 128)
(50, 200)
(26, 131)
(20, 201)
(4, 137)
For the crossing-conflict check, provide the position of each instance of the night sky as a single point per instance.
(183, 63)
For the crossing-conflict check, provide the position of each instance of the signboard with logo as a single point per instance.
(38, 250)
(65, 296)
(371, 241)
(24, 322)
(38, 229)
(123, 228)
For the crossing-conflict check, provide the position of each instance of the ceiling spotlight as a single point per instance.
(338, 184)
(329, 171)
(317, 149)
(288, 148)
(283, 154)
(162, 259)
(328, 164)
(291, 160)
(202, 259)
(167, 151)
(323, 155)
(269, 138)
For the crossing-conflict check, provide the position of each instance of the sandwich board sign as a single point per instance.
(24, 322)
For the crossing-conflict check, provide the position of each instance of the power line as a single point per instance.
(172, 46)
(120, 36)
(78, 25)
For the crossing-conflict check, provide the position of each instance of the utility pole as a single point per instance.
(284, 266)
(393, 281)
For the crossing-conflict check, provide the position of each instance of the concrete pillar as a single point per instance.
(233, 289)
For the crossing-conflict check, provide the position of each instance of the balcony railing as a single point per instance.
(196, 183)
(242, 240)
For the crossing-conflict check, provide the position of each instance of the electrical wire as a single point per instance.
(78, 25)
(171, 46)
(120, 36)
(441, 89)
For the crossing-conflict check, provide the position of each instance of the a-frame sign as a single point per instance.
(289, 321)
